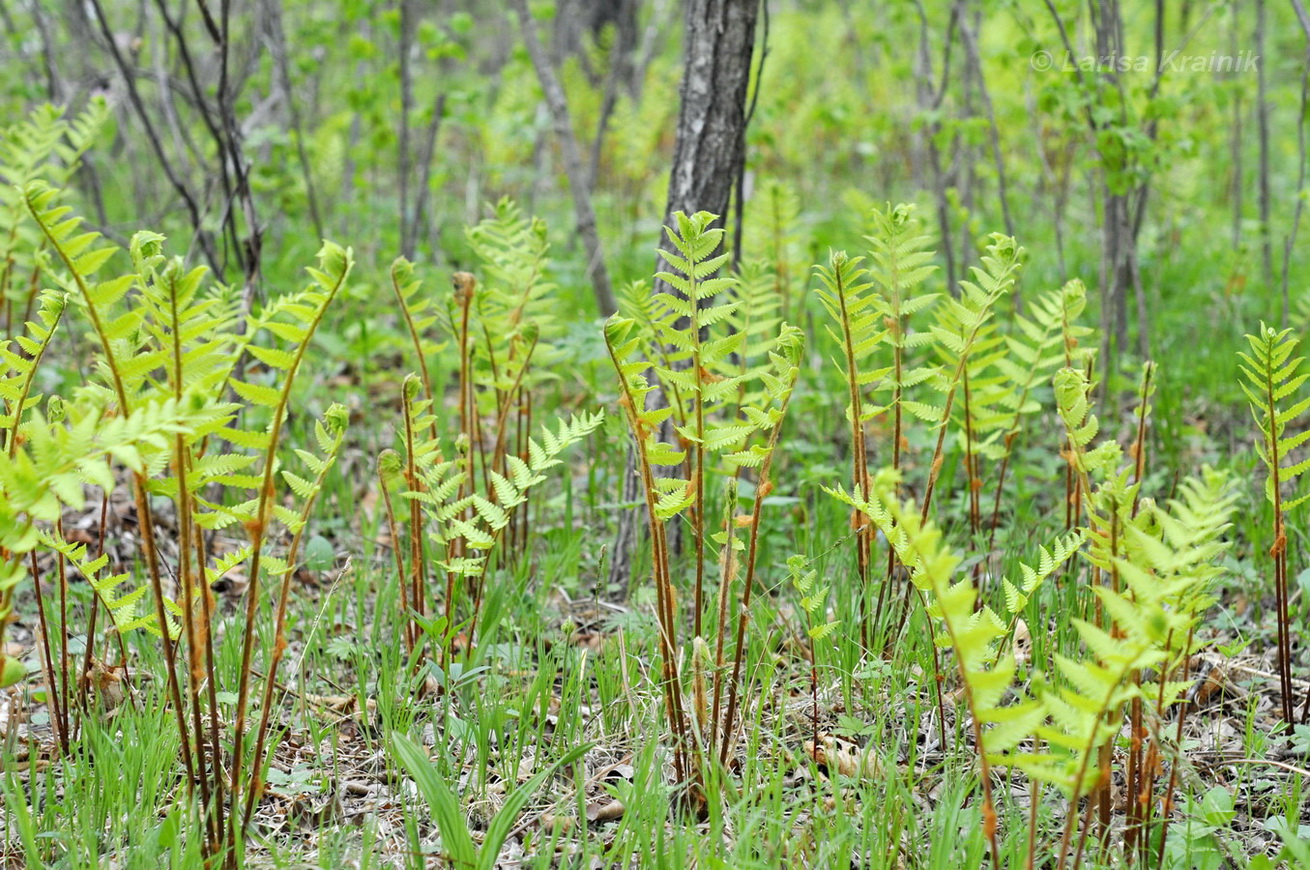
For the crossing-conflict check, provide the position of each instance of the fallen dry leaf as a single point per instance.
(845, 757)
(604, 809)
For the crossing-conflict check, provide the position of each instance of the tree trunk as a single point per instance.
(709, 153)
(710, 148)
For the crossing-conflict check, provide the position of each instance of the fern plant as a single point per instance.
(1272, 381)
(46, 472)
(872, 307)
(21, 366)
(986, 675)
(961, 331)
(45, 145)
(730, 411)
(1165, 561)
(813, 599)
(462, 527)
(1036, 347)
(165, 335)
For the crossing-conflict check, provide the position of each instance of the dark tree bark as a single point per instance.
(709, 153)
(710, 148)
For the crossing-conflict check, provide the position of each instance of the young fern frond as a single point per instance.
(778, 384)
(125, 609)
(48, 470)
(774, 239)
(297, 327)
(998, 728)
(814, 602)
(44, 145)
(1050, 560)
(702, 374)
(513, 251)
(1033, 353)
(420, 314)
(845, 292)
(83, 259)
(330, 433)
(1163, 565)
(757, 320)
(1272, 381)
(960, 324)
(900, 261)
(16, 386)
(1073, 404)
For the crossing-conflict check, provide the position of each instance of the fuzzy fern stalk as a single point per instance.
(297, 326)
(663, 502)
(166, 337)
(419, 312)
(83, 257)
(48, 471)
(963, 325)
(1271, 385)
(963, 328)
(463, 529)
(766, 418)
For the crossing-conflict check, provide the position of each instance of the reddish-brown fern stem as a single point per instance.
(499, 394)
(933, 471)
(187, 579)
(211, 682)
(255, 787)
(144, 515)
(194, 656)
(898, 362)
(417, 341)
(47, 660)
(727, 573)
(1010, 436)
(464, 284)
(660, 575)
(859, 460)
(525, 428)
(1137, 784)
(1167, 805)
(257, 529)
(502, 416)
(1139, 445)
(65, 663)
(87, 654)
(743, 615)
(417, 569)
(1279, 551)
(402, 582)
(971, 467)
(698, 483)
